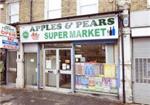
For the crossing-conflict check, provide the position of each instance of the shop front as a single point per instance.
(8, 48)
(73, 55)
(141, 56)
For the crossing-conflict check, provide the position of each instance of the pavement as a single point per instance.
(13, 96)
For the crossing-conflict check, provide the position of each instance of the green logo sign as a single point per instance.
(25, 35)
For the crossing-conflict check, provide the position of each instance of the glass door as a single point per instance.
(65, 69)
(50, 68)
(57, 68)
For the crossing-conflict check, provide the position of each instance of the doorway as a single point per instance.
(30, 69)
(141, 73)
(11, 67)
(58, 69)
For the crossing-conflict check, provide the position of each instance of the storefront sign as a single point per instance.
(8, 44)
(90, 29)
(8, 37)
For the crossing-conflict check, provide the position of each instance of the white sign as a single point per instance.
(48, 64)
(141, 32)
(8, 37)
(7, 30)
(90, 29)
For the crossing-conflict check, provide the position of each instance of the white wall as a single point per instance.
(140, 18)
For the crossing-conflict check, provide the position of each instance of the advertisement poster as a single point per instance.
(6, 43)
(96, 77)
(8, 37)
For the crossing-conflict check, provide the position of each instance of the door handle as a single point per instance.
(58, 71)
(50, 71)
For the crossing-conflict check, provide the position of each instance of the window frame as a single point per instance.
(79, 5)
(148, 3)
(47, 10)
(9, 15)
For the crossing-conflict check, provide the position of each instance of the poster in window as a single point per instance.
(109, 70)
(48, 64)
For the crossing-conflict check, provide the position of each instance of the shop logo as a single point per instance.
(25, 35)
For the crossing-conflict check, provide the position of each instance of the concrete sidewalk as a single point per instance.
(12, 96)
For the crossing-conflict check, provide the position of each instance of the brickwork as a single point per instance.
(3, 14)
(24, 15)
(138, 5)
(69, 8)
(107, 5)
(38, 10)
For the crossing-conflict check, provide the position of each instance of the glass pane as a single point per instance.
(87, 2)
(65, 59)
(54, 4)
(12, 77)
(58, 45)
(54, 14)
(14, 8)
(50, 59)
(50, 79)
(88, 9)
(14, 18)
(65, 81)
(12, 56)
(90, 53)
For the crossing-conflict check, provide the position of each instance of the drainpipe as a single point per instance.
(124, 5)
(123, 68)
(31, 6)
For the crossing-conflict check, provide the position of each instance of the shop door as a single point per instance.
(11, 67)
(30, 69)
(141, 65)
(58, 69)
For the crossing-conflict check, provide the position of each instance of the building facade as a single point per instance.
(81, 46)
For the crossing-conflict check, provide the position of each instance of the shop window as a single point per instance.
(13, 12)
(90, 53)
(95, 68)
(87, 7)
(52, 9)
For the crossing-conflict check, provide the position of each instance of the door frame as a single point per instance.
(58, 88)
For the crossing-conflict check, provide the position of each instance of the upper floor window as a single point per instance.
(13, 12)
(148, 3)
(87, 7)
(52, 9)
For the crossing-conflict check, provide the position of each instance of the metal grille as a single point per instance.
(142, 69)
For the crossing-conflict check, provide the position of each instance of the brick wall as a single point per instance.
(138, 5)
(37, 10)
(107, 5)
(24, 15)
(3, 14)
(69, 8)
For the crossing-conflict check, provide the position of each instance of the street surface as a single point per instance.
(11, 96)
